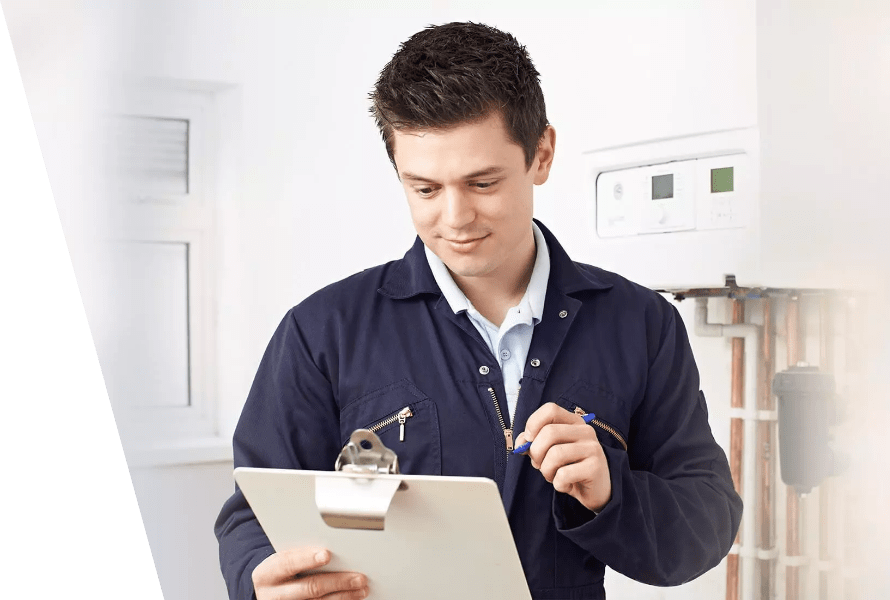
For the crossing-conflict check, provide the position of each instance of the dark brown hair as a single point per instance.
(447, 75)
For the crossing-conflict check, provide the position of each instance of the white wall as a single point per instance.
(824, 123)
(824, 128)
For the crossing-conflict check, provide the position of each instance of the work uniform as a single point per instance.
(360, 351)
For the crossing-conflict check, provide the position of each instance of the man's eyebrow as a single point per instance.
(474, 175)
(408, 175)
(486, 172)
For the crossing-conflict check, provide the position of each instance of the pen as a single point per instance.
(523, 449)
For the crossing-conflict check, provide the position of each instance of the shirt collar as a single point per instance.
(412, 275)
(534, 293)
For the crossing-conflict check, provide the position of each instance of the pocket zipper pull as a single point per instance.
(604, 426)
(403, 416)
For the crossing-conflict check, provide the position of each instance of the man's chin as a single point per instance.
(465, 268)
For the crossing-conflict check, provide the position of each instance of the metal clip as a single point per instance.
(365, 453)
(362, 501)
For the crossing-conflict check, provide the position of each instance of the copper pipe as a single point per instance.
(732, 577)
(792, 505)
(826, 335)
(792, 330)
(792, 515)
(765, 433)
(736, 439)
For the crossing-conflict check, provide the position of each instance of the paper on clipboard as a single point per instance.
(442, 537)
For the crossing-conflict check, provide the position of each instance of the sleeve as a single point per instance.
(674, 512)
(289, 421)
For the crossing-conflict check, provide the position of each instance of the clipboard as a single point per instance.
(413, 536)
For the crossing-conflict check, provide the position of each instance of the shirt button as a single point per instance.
(563, 314)
(535, 362)
(505, 354)
(483, 370)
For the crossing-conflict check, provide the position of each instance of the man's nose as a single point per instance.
(459, 210)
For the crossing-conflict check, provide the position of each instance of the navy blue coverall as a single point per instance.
(361, 350)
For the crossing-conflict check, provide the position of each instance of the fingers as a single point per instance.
(547, 414)
(284, 566)
(330, 586)
(587, 481)
(559, 456)
(556, 434)
(570, 457)
(566, 477)
(520, 439)
(280, 577)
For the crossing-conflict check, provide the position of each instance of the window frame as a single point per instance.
(150, 432)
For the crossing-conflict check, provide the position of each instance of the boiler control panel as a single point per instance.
(685, 195)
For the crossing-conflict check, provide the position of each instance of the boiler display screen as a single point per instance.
(662, 186)
(721, 180)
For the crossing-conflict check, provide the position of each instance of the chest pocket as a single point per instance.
(404, 419)
(611, 421)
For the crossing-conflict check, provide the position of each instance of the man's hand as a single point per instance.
(568, 455)
(280, 577)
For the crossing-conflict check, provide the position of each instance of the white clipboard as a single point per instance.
(413, 536)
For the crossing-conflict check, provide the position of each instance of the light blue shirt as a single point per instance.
(510, 342)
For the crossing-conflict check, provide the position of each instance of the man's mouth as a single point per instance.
(465, 244)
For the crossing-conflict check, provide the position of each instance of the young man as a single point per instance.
(485, 330)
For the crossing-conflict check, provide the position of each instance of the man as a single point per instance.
(485, 330)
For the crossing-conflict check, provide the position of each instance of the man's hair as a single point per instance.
(448, 75)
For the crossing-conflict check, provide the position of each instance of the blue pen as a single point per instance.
(523, 449)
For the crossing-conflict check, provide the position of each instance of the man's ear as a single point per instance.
(544, 155)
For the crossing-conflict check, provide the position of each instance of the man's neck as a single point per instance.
(493, 295)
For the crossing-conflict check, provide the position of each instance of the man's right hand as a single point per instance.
(280, 577)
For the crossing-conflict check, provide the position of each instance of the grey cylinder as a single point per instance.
(805, 402)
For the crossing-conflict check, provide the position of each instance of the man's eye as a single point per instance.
(483, 184)
(427, 191)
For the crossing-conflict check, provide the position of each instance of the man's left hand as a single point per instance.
(568, 455)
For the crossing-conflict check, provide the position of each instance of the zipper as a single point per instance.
(508, 433)
(604, 426)
(400, 416)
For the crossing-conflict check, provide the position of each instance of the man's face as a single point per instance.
(470, 194)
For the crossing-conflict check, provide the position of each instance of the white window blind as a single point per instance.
(152, 155)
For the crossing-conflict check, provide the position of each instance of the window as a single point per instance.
(159, 364)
